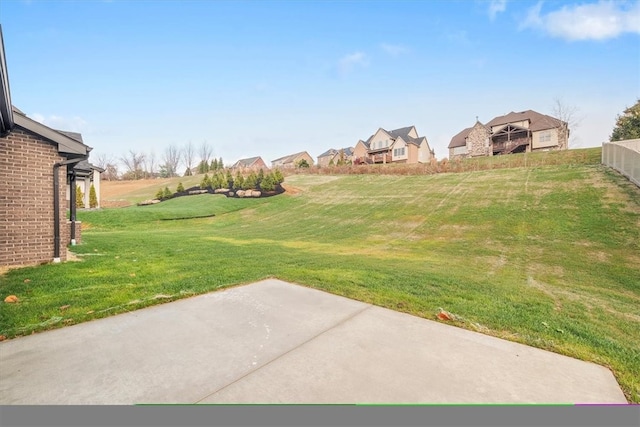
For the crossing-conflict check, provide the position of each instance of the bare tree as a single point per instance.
(133, 162)
(150, 165)
(110, 172)
(171, 160)
(569, 121)
(109, 164)
(101, 160)
(188, 153)
(205, 155)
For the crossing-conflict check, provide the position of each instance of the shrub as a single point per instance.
(268, 182)
(167, 194)
(79, 197)
(160, 194)
(206, 181)
(251, 182)
(180, 188)
(93, 198)
(260, 177)
(303, 164)
(238, 182)
(279, 178)
(228, 179)
(213, 182)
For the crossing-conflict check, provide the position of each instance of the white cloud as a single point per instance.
(593, 21)
(495, 7)
(71, 124)
(349, 62)
(394, 49)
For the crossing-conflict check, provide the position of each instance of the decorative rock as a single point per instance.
(240, 193)
(255, 193)
(198, 191)
(221, 190)
(148, 202)
(11, 299)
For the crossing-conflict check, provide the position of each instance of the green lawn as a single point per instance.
(545, 255)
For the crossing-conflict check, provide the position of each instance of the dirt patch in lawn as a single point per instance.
(290, 189)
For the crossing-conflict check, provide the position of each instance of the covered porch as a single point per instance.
(511, 139)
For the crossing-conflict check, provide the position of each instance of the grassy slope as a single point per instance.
(546, 256)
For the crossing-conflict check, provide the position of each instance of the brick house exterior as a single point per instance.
(32, 156)
(27, 230)
(251, 164)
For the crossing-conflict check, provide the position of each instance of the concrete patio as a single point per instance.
(276, 342)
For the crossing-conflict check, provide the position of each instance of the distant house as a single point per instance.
(397, 146)
(250, 164)
(521, 132)
(292, 160)
(35, 163)
(333, 156)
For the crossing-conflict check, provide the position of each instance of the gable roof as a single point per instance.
(394, 134)
(247, 162)
(403, 132)
(410, 140)
(290, 158)
(348, 151)
(460, 138)
(536, 120)
(329, 152)
(66, 145)
(84, 168)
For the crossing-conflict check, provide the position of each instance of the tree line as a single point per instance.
(141, 165)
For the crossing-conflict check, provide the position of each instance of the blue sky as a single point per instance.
(261, 78)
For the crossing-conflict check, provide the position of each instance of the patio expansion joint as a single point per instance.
(251, 372)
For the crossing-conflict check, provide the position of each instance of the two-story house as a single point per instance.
(397, 146)
(521, 132)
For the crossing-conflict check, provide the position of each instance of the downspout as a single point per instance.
(72, 205)
(56, 205)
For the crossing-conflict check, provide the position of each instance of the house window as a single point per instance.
(397, 152)
(545, 136)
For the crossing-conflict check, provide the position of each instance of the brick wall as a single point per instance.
(78, 231)
(26, 199)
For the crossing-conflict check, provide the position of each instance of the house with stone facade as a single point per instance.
(334, 157)
(251, 164)
(35, 164)
(397, 146)
(292, 160)
(522, 132)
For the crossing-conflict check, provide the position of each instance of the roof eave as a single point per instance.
(65, 144)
